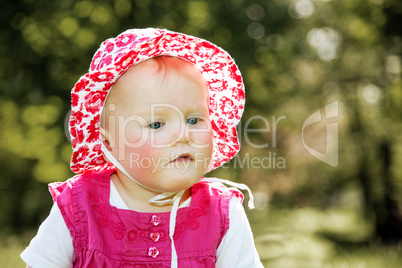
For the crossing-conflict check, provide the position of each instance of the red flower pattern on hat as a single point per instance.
(117, 55)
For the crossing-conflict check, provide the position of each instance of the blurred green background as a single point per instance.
(296, 56)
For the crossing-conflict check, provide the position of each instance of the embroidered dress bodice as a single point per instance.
(106, 236)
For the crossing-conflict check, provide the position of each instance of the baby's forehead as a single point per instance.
(155, 72)
(147, 77)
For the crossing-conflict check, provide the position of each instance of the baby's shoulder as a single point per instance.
(79, 182)
(214, 188)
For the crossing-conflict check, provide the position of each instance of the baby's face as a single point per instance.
(158, 127)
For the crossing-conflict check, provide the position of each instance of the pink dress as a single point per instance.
(104, 236)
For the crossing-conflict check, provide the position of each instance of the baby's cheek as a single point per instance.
(145, 149)
(204, 138)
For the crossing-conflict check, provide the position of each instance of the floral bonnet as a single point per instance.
(117, 55)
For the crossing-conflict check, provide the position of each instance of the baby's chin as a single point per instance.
(177, 184)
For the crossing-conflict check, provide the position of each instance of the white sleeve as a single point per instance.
(237, 249)
(52, 246)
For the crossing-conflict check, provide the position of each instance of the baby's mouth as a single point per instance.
(183, 158)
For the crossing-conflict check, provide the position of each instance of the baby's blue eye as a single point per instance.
(155, 125)
(193, 121)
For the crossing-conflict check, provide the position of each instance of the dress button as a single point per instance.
(156, 220)
(154, 236)
(153, 252)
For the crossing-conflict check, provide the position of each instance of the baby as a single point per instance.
(156, 111)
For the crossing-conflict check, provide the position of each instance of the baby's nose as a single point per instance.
(182, 134)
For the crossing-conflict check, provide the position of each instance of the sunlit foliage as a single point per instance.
(296, 56)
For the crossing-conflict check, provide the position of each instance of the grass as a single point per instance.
(11, 247)
(308, 238)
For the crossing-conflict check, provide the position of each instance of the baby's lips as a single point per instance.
(184, 156)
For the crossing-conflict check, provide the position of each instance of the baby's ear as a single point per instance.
(105, 141)
(104, 138)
